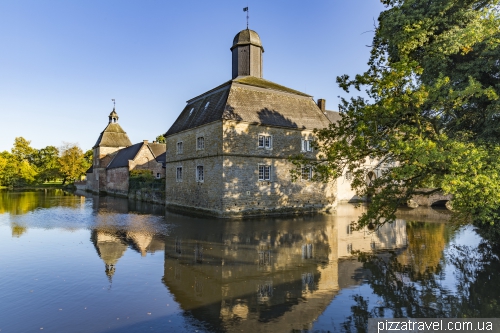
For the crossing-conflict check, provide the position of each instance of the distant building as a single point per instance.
(228, 151)
(115, 157)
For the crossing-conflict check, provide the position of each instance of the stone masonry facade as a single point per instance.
(231, 162)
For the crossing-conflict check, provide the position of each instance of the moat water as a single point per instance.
(81, 263)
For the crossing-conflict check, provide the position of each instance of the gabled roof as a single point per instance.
(157, 149)
(333, 116)
(113, 136)
(254, 100)
(124, 155)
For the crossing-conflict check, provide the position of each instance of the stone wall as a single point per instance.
(246, 195)
(189, 194)
(145, 160)
(230, 161)
(117, 181)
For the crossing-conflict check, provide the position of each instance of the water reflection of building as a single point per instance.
(119, 224)
(388, 236)
(270, 275)
(111, 243)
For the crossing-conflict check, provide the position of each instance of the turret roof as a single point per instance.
(113, 136)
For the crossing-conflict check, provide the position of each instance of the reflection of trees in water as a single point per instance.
(18, 230)
(407, 291)
(426, 242)
(22, 202)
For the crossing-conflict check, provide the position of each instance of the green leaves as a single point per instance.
(433, 110)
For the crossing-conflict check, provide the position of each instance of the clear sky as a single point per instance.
(61, 62)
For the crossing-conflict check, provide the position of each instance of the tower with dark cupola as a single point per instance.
(247, 54)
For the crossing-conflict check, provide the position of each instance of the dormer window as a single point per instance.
(191, 111)
(206, 106)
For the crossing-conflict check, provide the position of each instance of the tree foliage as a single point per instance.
(432, 112)
(72, 162)
(161, 139)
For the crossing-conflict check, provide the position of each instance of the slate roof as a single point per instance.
(124, 155)
(157, 149)
(254, 100)
(333, 116)
(113, 136)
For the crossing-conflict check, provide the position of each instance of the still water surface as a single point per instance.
(81, 263)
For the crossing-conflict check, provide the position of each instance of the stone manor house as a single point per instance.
(228, 151)
(227, 154)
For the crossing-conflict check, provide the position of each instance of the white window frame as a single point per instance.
(178, 174)
(158, 175)
(309, 173)
(306, 145)
(200, 177)
(265, 141)
(265, 172)
(200, 143)
(180, 147)
(348, 175)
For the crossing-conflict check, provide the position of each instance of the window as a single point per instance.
(200, 143)
(178, 174)
(265, 141)
(179, 147)
(199, 173)
(306, 145)
(349, 228)
(206, 106)
(158, 175)
(348, 175)
(191, 111)
(306, 173)
(264, 172)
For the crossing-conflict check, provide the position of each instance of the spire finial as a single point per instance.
(114, 104)
(246, 10)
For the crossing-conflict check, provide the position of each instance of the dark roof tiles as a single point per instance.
(253, 100)
(124, 155)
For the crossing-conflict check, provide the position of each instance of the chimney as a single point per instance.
(145, 142)
(322, 104)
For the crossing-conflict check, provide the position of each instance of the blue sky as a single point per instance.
(61, 62)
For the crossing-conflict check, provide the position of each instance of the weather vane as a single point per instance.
(113, 103)
(246, 10)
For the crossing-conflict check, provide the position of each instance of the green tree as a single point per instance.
(72, 163)
(21, 171)
(432, 111)
(89, 157)
(46, 161)
(161, 139)
(22, 150)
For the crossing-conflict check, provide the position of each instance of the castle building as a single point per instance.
(228, 151)
(115, 156)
